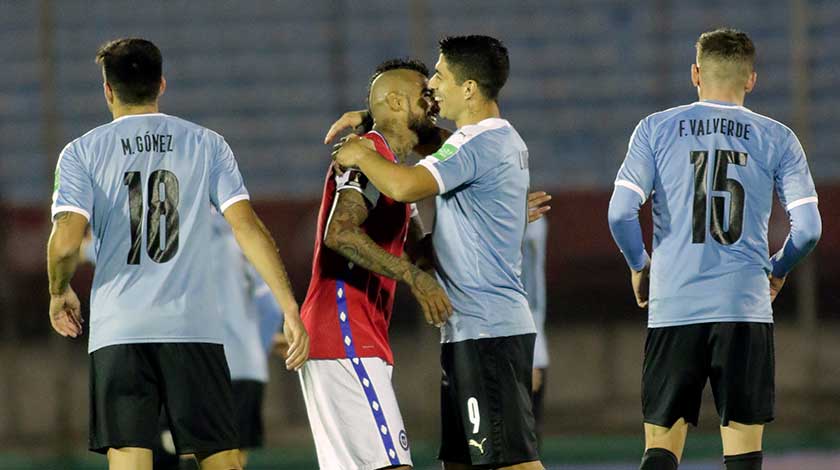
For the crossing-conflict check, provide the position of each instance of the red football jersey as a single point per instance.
(348, 309)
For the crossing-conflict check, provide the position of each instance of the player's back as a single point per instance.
(713, 167)
(151, 179)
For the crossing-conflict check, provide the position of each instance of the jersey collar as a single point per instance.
(719, 104)
(137, 115)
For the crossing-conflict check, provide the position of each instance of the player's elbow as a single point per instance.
(403, 195)
(806, 226)
(334, 235)
(62, 247)
(813, 233)
(619, 213)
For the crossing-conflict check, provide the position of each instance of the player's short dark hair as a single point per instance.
(726, 44)
(479, 58)
(133, 67)
(404, 63)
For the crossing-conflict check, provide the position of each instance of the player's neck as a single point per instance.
(477, 113)
(400, 141)
(723, 95)
(120, 110)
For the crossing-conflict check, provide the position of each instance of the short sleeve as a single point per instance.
(794, 183)
(226, 184)
(453, 165)
(639, 168)
(355, 180)
(73, 188)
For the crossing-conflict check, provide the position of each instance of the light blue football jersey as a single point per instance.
(146, 183)
(711, 168)
(482, 177)
(237, 286)
(533, 278)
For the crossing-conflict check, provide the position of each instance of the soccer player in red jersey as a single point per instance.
(359, 258)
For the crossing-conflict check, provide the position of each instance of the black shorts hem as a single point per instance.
(103, 448)
(668, 423)
(724, 421)
(207, 451)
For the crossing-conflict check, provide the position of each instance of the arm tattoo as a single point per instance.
(345, 236)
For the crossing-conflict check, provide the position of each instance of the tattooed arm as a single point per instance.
(62, 256)
(345, 236)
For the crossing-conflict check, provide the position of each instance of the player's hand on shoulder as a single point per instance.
(537, 207)
(348, 120)
(65, 313)
(351, 150)
(776, 284)
(432, 298)
(298, 340)
(340, 170)
(641, 285)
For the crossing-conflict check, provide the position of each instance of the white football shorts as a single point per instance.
(353, 412)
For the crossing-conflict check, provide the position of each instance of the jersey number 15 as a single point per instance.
(162, 203)
(720, 186)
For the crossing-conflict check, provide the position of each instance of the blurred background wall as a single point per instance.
(271, 76)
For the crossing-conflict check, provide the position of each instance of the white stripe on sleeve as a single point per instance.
(633, 187)
(58, 209)
(429, 164)
(242, 197)
(802, 202)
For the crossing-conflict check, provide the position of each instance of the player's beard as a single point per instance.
(423, 128)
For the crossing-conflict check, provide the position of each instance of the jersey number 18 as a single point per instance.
(162, 203)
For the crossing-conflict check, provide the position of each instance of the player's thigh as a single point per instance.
(248, 398)
(674, 374)
(487, 417)
(124, 398)
(224, 460)
(671, 438)
(353, 414)
(743, 372)
(129, 458)
(199, 397)
(741, 438)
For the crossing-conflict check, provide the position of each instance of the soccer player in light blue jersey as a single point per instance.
(250, 314)
(480, 176)
(710, 168)
(145, 183)
(533, 278)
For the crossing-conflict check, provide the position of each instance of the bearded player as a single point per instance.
(359, 258)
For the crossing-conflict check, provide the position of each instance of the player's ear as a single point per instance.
(109, 92)
(162, 86)
(751, 82)
(394, 101)
(470, 88)
(695, 75)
